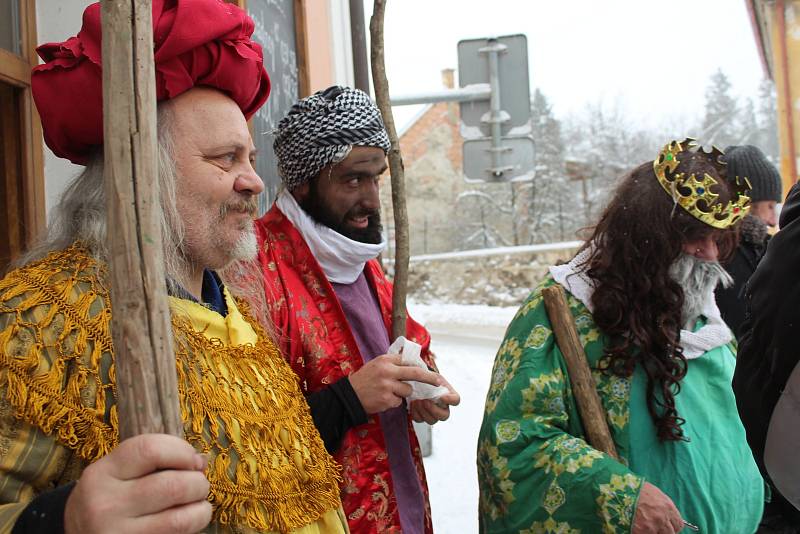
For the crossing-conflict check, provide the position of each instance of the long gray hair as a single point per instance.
(80, 214)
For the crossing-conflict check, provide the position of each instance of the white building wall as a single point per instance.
(341, 47)
(56, 21)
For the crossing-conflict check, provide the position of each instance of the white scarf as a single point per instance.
(341, 258)
(713, 334)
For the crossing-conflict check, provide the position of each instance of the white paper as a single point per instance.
(409, 352)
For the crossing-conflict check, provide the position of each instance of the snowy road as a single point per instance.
(465, 340)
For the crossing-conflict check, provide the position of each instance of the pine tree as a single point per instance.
(747, 125)
(548, 198)
(719, 121)
(767, 117)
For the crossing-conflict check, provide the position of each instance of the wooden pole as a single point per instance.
(358, 44)
(584, 388)
(144, 360)
(401, 253)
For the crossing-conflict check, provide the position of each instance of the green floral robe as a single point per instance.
(536, 472)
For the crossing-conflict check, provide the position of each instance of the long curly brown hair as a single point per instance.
(636, 302)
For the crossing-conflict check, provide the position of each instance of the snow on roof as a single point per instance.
(407, 126)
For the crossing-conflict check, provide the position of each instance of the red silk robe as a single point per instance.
(315, 338)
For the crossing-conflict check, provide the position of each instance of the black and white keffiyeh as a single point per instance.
(322, 129)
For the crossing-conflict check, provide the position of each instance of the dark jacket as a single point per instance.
(768, 347)
(741, 266)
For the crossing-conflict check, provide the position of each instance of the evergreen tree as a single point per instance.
(719, 121)
(544, 204)
(767, 117)
(749, 131)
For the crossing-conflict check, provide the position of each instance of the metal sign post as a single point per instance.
(495, 108)
(496, 116)
(498, 146)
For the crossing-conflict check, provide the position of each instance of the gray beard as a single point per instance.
(698, 278)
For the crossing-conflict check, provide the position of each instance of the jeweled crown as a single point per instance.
(694, 194)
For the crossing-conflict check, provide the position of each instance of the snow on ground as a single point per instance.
(465, 340)
(479, 321)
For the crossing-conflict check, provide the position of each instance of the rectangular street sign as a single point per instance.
(512, 73)
(516, 159)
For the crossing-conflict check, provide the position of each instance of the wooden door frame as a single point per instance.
(15, 70)
(301, 47)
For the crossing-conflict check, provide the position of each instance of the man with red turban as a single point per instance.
(251, 459)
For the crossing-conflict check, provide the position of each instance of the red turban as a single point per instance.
(197, 42)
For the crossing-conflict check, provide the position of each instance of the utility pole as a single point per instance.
(358, 43)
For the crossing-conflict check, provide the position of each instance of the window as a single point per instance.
(22, 207)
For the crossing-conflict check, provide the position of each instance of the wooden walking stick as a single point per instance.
(584, 388)
(401, 249)
(146, 379)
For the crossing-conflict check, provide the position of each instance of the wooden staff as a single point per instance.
(395, 168)
(584, 388)
(143, 357)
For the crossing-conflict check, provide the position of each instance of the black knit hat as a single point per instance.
(748, 161)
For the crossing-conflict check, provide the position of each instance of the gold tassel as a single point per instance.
(241, 405)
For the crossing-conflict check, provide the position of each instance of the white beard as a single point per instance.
(699, 279)
(246, 248)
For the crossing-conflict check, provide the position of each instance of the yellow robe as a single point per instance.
(240, 402)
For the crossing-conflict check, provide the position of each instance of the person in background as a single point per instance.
(768, 352)
(749, 161)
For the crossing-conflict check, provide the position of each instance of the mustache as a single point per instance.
(694, 273)
(247, 205)
(360, 212)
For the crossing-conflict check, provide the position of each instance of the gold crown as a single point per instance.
(695, 195)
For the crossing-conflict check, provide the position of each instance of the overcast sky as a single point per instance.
(651, 57)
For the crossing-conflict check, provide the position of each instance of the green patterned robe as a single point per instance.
(536, 472)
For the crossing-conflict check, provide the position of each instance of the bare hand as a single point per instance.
(433, 411)
(656, 513)
(380, 384)
(151, 484)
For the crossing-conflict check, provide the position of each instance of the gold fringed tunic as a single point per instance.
(240, 402)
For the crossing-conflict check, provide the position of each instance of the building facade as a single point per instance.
(307, 46)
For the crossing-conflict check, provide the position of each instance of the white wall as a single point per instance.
(341, 47)
(58, 20)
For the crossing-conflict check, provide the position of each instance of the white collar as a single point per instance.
(341, 258)
(713, 334)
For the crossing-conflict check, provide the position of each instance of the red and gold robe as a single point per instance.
(315, 337)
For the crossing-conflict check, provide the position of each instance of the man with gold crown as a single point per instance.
(251, 459)
(641, 293)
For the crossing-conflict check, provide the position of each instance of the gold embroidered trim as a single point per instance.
(242, 405)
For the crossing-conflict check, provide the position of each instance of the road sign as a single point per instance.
(514, 86)
(497, 142)
(515, 161)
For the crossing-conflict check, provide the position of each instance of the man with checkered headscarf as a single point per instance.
(331, 305)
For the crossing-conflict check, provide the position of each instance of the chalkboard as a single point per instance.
(274, 31)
